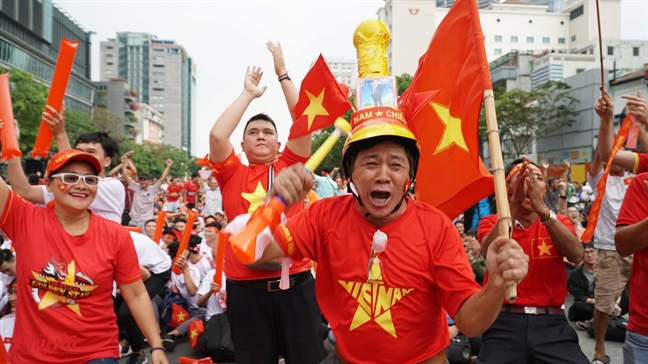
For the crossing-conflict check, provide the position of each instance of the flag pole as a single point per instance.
(505, 224)
(600, 41)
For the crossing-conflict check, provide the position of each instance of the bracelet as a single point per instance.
(284, 77)
(157, 348)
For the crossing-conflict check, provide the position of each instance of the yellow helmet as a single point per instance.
(381, 124)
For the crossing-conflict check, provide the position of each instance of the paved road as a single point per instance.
(614, 350)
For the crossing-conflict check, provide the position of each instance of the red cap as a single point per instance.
(62, 158)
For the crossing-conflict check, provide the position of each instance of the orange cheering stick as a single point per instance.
(8, 137)
(135, 229)
(62, 72)
(159, 226)
(220, 254)
(184, 241)
(244, 243)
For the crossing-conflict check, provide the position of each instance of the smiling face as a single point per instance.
(573, 215)
(75, 197)
(260, 142)
(379, 175)
(149, 228)
(144, 183)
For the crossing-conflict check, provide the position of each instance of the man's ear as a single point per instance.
(242, 147)
(278, 145)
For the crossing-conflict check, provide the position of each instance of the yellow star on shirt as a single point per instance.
(69, 284)
(545, 248)
(452, 134)
(255, 198)
(315, 107)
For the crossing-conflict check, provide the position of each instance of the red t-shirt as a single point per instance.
(546, 282)
(634, 210)
(244, 189)
(174, 189)
(425, 273)
(641, 162)
(65, 283)
(191, 191)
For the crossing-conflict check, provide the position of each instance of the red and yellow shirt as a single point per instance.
(634, 210)
(174, 193)
(640, 163)
(191, 189)
(244, 189)
(546, 282)
(425, 272)
(65, 285)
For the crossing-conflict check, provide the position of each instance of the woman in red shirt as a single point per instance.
(68, 262)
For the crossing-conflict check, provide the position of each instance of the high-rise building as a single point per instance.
(164, 76)
(30, 36)
(345, 70)
(117, 96)
(152, 124)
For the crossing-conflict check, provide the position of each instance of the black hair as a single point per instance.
(209, 217)
(195, 174)
(169, 231)
(472, 232)
(33, 179)
(194, 240)
(152, 220)
(7, 308)
(181, 220)
(217, 225)
(511, 165)
(173, 249)
(355, 148)
(6, 256)
(260, 116)
(327, 169)
(109, 145)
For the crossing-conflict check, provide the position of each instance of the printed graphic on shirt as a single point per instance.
(59, 285)
(375, 301)
(543, 248)
(255, 198)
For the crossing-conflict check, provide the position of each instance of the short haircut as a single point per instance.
(588, 245)
(260, 116)
(173, 249)
(33, 179)
(510, 167)
(181, 220)
(152, 220)
(216, 225)
(195, 174)
(6, 256)
(109, 145)
(327, 169)
(551, 180)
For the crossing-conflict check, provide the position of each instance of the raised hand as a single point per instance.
(54, 119)
(604, 106)
(636, 106)
(169, 163)
(277, 56)
(536, 195)
(292, 184)
(251, 83)
(545, 165)
(518, 192)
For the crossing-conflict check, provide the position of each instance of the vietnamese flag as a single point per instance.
(321, 101)
(451, 174)
(196, 327)
(178, 315)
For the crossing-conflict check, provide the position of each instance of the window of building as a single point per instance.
(514, 39)
(579, 70)
(109, 63)
(545, 40)
(529, 51)
(576, 12)
(610, 51)
(158, 89)
(573, 38)
(157, 73)
(158, 49)
(158, 65)
(561, 40)
(157, 97)
(498, 51)
(529, 39)
(109, 47)
(109, 55)
(172, 51)
(498, 38)
(635, 51)
(158, 58)
(158, 81)
(158, 105)
(108, 72)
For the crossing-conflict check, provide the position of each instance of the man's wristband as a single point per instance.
(284, 77)
(157, 348)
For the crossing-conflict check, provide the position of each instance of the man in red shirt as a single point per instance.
(257, 309)
(389, 267)
(534, 328)
(174, 192)
(191, 188)
(632, 238)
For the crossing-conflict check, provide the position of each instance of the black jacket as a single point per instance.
(579, 285)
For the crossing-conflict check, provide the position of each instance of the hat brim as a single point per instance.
(83, 157)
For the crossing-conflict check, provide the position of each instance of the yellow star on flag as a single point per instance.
(193, 334)
(315, 107)
(181, 317)
(452, 134)
(50, 298)
(255, 198)
(545, 248)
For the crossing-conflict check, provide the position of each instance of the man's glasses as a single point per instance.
(379, 245)
(71, 179)
(590, 252)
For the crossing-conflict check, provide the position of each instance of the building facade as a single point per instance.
(152, 125)
(117, 96)
(30, 36)
(345, 70)
(164, 76)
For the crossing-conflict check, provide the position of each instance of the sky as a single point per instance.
(223, 37)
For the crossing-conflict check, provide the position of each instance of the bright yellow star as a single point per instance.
(181, 317)
(193, 334)
(545, 248)
(50, 298)
(315, 107)
(452, 134)
(255, 198)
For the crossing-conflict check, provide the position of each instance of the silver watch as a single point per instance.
(550, 220)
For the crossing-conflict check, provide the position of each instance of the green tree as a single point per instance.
(108, 121)
(403, 82)
(525, 116)
(151, 158)
(77, 123)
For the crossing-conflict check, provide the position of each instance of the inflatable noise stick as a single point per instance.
(244, 243)
(184, 240)
(220, 254)
(159, 226)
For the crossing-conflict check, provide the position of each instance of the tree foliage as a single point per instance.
(28, 99)
(334, 158)
(525, 116)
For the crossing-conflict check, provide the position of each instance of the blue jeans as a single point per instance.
(104, 361)
(635, 348)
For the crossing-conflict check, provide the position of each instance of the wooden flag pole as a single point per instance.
(600, 41)
(505, 224)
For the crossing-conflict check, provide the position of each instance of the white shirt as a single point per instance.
(213, 201)
(109, 202)
(150, 255)
(7, 323)
(179, 281)
(213, 307)
(610, 206)
(203, 266)
(206, 252)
